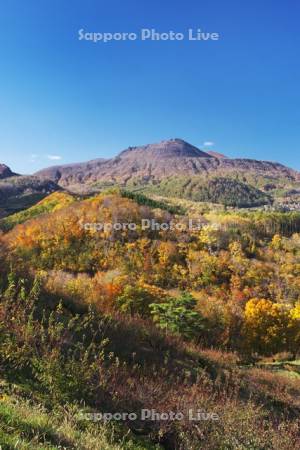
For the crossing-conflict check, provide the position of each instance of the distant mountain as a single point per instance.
(154, 162)
(171, 168)
(5, 172)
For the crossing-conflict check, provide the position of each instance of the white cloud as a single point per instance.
(54, 157)
(208, 143)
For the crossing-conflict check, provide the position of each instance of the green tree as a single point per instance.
(178, 316)
(135, 300)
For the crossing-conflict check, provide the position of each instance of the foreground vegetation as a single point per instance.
(106, 320)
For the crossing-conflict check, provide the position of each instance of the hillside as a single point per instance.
(225, 191)
(20, 192)
(51, 202)
(110, 320)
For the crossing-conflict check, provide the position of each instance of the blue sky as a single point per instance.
(76, 100)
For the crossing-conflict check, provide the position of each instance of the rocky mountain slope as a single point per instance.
(154, 162)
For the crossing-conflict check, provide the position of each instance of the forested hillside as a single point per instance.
(102, 318)
(226, 191)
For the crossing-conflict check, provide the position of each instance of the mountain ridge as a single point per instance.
(172, 167)
(153, 162)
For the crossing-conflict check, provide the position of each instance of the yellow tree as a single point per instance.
(266, 326)
(295, 329)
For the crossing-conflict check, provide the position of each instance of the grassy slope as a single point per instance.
(26, 425)
(52, 202)
(28, 422)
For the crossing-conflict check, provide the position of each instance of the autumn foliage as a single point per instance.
(127, 318)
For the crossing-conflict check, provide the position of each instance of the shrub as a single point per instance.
(178, 316)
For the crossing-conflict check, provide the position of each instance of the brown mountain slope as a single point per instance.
(216, 154)
(155, 162)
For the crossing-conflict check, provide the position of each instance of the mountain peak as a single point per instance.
(172, 148)
(5, 172)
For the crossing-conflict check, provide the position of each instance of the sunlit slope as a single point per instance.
(52, 202)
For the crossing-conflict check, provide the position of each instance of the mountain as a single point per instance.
(179, 169)
(154, 162)
(5, 172)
